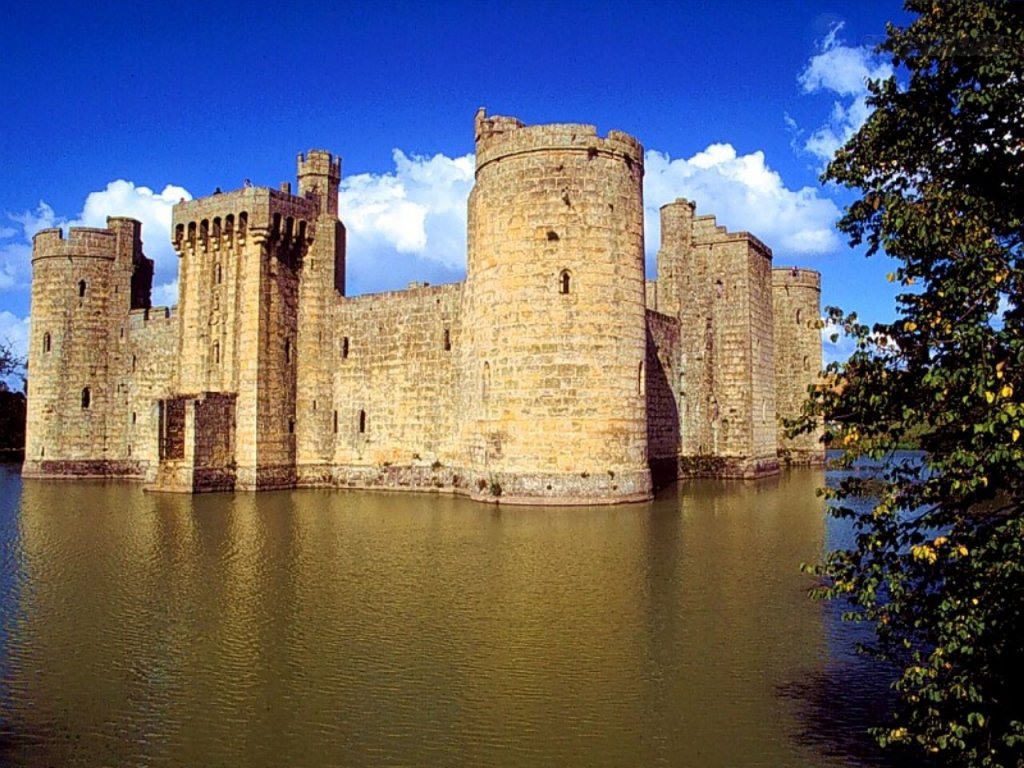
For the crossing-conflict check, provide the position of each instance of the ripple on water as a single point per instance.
(322, 628)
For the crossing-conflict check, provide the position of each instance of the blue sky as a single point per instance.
(124, 108)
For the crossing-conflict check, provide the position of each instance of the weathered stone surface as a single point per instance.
(556, 374)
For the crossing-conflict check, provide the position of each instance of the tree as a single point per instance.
(12, 404)
(10, 363)
(938, 563)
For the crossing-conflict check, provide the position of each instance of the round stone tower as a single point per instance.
(554, 328)
(796, 305)
(73, 283)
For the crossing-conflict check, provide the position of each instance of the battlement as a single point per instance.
(319, 162)
(796, 276)
(81, 242)
(140, 318)
(707, 230)
(228, 216)
(498, 137)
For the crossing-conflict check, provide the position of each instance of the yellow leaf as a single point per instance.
(1007, 390)
(990, 396)
(891, 277)
(910, 326)
(1016, 435)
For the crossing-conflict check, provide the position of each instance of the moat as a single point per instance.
(349, 628)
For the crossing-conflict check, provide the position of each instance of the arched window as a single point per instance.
(46, 342)
(86, 397)
(344, 347)
(362, 422)
(134, 363)
(287, 350)
(807, 363)
(447, 340)
(81, 288)
(799, 316)
(335, 422)
(216, 353)
(485, 385)
(564, 282)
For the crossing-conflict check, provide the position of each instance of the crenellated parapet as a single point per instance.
(226, 220)
(500, 137)
(796, 277)
(81, 242)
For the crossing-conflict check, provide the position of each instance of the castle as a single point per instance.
(555, 374)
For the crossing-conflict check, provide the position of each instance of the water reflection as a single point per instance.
(325, 628)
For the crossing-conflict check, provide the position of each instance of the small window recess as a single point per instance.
(564, 282)
(81, 288)
(335, 422)
(447, 340)
(46, 343)
(344, 348)
(86, 398)
(362, 422)
(287, 350)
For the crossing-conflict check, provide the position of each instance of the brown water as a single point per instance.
(313, 628)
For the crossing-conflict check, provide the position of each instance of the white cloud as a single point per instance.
(119, 198)
(165, 294)
(153, 209)
(744, 193)
(16, 253)
(844, 71)
(408, 224)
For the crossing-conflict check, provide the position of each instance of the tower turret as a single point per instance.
(319, 174)
(796, 299)
(81, 293)
(553, 327)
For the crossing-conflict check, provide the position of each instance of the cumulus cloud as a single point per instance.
(843, 71)
(153, 209)
(16, 245)
(408, 224)
(743, 192)
(118, 198)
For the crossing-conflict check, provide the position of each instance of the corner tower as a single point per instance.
(796, 300)
(83, 287)
(554, 340)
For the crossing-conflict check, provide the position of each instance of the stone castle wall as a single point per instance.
(556, 373)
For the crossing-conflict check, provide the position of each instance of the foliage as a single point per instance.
(12, 404)
(938, 563)
(10, 364)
